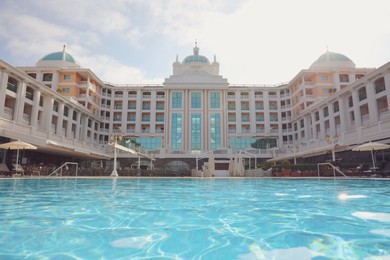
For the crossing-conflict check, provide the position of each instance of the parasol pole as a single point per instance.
(372, 156)
(17, 159)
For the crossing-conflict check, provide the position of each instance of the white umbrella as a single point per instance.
(371, 146)
(17, 145)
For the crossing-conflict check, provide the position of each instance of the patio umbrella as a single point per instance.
(371, 146)
(17, 145)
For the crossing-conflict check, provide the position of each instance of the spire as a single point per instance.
(177, 57)
(215, 58)
(196, 49)
(63, 52)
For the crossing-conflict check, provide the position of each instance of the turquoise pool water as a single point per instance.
(194, 219)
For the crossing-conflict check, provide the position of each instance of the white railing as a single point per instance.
(335, 169)
(58, 171)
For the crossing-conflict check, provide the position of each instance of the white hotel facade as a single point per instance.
(67, 110)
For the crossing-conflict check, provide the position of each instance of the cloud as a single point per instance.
(112, 71)
(256, 41)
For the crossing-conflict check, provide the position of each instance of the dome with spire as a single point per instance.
(61, 58)
(333, 59)
(196, 57)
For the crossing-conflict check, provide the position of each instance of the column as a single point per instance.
(35, 108)
(356, 108)
(372, 106)
(3, 90)
(19, 103)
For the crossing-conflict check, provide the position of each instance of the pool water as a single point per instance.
(131, 218)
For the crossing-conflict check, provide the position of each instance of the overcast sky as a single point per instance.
(136, 41)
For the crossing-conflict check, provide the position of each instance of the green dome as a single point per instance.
(196, 57)
(332, 59)
(55, 56)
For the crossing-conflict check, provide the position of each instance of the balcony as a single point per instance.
(231, 107)
(260, 119)
(160, 97)
(232, 131)
(146, 96)
(231, 97)
(159, 119)
(131, 107)
(118, 107)
(131, 118)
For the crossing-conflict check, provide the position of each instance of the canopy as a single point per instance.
(17, 145)
(371, 146)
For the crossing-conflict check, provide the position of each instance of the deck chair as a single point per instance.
(4, 170)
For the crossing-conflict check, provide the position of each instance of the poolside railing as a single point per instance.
(58, 171)
(335, 169)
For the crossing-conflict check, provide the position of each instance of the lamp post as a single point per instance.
(333, 141)
(294, 149)
(115, 138)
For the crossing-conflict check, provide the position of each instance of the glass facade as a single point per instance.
(215, 100)
(196, 133)
(215, 131)
(251, 143)
(176, 132)
(148, 144)
(177, 100)
(196, 101)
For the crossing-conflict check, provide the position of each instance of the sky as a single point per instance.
(136, 41)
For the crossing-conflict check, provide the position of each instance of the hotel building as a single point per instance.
(67, 110)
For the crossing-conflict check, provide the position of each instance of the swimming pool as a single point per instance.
(130, 218)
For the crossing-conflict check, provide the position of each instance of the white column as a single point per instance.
(356, 108)
(138, 113)
(3, 90)
(372, 106)
(47, 113)
(60, 118)
(387, 85)
(35, 108)
(19, 103)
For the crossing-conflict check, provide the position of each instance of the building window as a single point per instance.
(196, 101)
(326, 111)
(196, 132)
(350, 101)
(362, 93)
(215, 100)
(344, 78)
(215, 131)
(177, 98)
(324, 77)
(336, 107)
(47, 77)
(176, 132)
(379, 85)
(67, 76)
